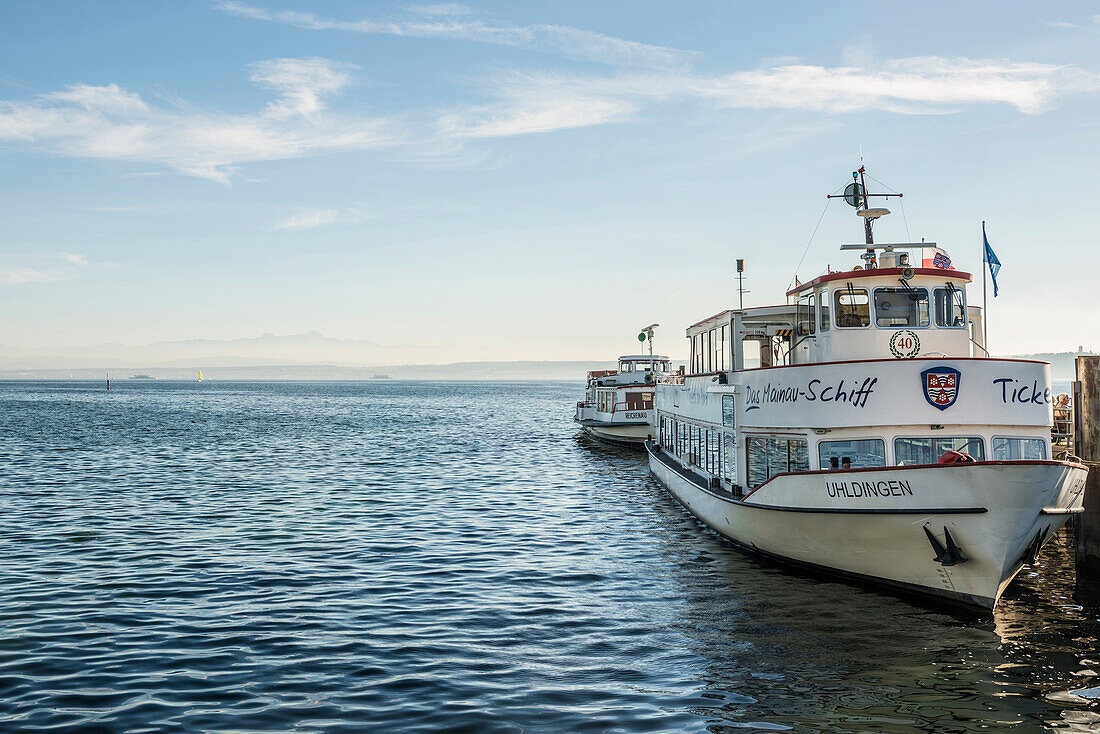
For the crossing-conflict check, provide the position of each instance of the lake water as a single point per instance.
(395, 556)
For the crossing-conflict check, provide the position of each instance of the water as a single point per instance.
(412, 557)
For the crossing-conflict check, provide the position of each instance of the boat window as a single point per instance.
(1012, 449)
(711, 452)
(898, 307)
(928, 449)
(729, 415)
(852, 308)
(859, 453)
(949, 307)
(768, 456)
(729, 458)
(823, 300)
(639, 401)
(806, 315)
(715, 350)
(725, 346)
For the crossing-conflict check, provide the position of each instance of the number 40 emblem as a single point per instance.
(904, 343)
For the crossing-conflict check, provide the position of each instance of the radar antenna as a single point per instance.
(856, 195)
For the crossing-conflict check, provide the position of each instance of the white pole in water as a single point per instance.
(985, 313)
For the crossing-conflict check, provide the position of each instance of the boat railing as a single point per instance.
(633, 405)
(594, 374)
(1062, 432)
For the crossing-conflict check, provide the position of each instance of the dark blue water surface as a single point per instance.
(396, 556)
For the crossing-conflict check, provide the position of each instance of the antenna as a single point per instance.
(856, 195)
(740, 285)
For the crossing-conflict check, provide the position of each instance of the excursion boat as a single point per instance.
(861, 429)
(618, 404)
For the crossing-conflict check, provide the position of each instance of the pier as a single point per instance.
(1086, 411)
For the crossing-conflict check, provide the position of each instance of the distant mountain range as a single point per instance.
(268, 349)
(1063, 365)
(517, 371)
(310, 356)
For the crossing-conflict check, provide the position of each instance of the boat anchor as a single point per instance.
(945, 556)
(1031, 553)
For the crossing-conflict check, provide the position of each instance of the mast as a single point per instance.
(870, 238)
(985, 313)
(856, 195)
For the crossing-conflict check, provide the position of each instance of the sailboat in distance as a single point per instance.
(200, 376)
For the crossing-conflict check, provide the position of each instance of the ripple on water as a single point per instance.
(414, 557)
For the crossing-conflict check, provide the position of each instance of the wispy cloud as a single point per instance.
(47, 268)
(1092, 24)
(16, 275)
(74, 259)
(311, 218)
(110, 122)
(458, 22)
(541, 102)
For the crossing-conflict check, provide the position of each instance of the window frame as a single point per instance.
(962, 294)
(806, 313)
(899, 289)
(804, 440)
(894, 446)
(838, 292)
(880, 439)
(1042, 442)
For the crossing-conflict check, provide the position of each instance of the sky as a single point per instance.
(515, 181)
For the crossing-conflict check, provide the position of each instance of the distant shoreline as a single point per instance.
(1062, 369)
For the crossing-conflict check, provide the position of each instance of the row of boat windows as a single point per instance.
(871, 452)
(767, 456)
(657, 366)
(707, 449)
(606, 401)
(708, 350)
(894, 308)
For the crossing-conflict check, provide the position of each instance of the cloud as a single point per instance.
(304, 83)
(16, 275)
(451, 9)
(311, 218)
(74, 259)
(109, 122)
(456, 22)
(50, 270)
(541, 102)
(1060, 24)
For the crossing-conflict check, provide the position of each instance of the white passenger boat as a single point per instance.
(618, 404)
(861, 429)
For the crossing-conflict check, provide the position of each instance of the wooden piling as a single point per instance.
(1086, 412)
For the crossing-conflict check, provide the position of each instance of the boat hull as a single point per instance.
(874, 525)
(634, 435)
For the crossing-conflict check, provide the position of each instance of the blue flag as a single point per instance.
(991, 258)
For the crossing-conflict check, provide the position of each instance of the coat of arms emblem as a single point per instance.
(941, 386)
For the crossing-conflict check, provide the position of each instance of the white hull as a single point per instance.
(634, 435)
(871, 524)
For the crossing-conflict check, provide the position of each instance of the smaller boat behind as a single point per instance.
(618, 404)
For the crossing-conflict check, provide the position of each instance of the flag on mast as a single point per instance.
(934, 257)
(991, 258)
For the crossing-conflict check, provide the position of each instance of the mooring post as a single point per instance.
(1086, 416)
